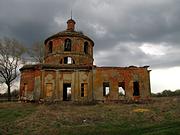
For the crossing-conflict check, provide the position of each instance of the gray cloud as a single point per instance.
(119, 27)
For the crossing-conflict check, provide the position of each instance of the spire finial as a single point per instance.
(71, 23)
(71, 13)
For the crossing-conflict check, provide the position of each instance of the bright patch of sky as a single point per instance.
(153, 49)
(165, 79)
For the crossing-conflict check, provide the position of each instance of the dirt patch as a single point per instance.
(141, 110)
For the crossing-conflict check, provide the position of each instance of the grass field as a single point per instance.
(161, 117)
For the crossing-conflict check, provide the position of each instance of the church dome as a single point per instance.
(70, 31)
(69, 44)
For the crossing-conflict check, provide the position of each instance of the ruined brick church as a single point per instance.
(68, 73)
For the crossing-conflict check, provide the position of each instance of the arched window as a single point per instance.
(67, 45)
(68, 60)
(50, 47)
(86, 47)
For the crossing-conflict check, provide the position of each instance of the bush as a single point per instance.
(14, 93)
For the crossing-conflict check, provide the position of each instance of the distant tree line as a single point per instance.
(14, 96)
(167, 93)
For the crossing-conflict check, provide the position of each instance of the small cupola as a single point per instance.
(71, 24)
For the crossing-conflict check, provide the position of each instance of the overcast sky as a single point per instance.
(125, 32)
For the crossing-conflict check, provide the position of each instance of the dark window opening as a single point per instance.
(68, 60)
(136, 88)
(67, 45)
(66, 91)
(61, 61)
(83, 89)
(106, 89)
(50, 45)
(86, 47)
(121, 88)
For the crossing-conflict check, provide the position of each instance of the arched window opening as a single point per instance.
(121, 88)
(68, 60)
(86, 47)
(67, 45)
(50, 47)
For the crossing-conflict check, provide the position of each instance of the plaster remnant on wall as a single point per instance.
(37, 88)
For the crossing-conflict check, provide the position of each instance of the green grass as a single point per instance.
(10, 115)
(108, 129)
(162, 118)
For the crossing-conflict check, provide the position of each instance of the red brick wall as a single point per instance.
(116, 75)
(27, 77)
(77, 51)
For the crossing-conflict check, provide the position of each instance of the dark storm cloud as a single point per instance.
(119, 28)
(30, 21)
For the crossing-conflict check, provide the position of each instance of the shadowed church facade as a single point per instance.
(68, 74)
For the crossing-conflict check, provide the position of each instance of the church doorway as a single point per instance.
(136, 88)
(66, 91)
